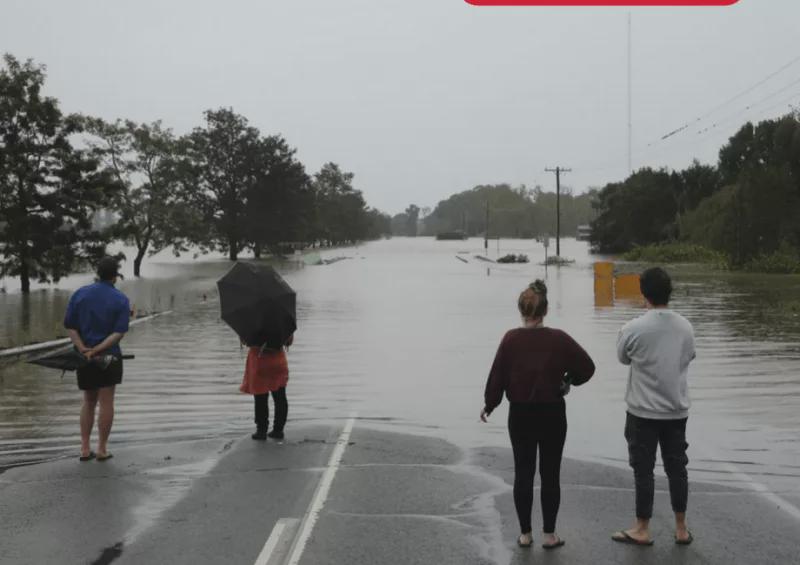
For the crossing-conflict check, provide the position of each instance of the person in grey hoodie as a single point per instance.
(658, 346)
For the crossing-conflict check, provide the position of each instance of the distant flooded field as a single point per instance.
(403, 333)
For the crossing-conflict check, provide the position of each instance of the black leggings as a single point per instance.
(262, 409)
(542, 426)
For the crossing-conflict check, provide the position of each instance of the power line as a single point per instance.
(750, 106)
(664, 143)
(729, 101)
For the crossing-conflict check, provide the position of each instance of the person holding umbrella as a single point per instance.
(267, 371)
(534, 367)
(260, 307)
(96, 320)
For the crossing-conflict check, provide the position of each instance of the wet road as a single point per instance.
(393, 499)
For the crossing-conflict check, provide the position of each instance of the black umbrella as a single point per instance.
(70, 360)
(258, 305)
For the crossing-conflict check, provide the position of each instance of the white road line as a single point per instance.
(272, 541)
(321, 495)
(764, 491)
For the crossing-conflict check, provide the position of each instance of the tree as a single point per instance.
(48, 188)
(639, 211)
(513, 212)
(341, 210)
(220, 167)
(378, 224)
(747, 207)
(411, 217)
(280, 202)
(143, 160)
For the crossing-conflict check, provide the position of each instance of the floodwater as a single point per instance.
(402, 333)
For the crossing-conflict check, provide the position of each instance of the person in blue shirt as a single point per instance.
(97, 319)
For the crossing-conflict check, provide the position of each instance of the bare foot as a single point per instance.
(525, 540)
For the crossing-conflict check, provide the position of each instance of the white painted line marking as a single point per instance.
(272, 541)
(764, 491)
(322, 493)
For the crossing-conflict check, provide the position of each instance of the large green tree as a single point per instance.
(142, 157)
(378, 224)
(642, 210)
(280, 204)
(49, 189)
(341, 209)
(221, 165)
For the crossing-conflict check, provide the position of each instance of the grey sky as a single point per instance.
(421, 98)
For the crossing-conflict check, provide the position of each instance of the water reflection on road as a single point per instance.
(404, 334)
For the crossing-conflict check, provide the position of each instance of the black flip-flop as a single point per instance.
(624, 537)
(559, 543)
(524, 545)
(87, 457)
(687, 541)
(105, 457)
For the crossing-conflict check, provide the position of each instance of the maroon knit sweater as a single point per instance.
(530, 365)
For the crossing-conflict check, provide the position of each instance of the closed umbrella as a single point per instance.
(71, 360)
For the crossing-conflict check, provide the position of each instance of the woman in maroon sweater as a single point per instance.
(535, 366)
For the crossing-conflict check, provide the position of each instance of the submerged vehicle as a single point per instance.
(451, 235)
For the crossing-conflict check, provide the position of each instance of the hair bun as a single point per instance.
(538, 287)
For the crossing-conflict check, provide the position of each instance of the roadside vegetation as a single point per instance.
(677, 253)
(742, 212)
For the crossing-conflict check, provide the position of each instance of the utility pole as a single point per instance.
(558, 171)
(486, 236)
(630, 96)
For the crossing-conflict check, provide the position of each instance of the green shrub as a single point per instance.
(676, 253)
(783, 262)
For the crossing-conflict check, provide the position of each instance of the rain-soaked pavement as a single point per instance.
(402, 334)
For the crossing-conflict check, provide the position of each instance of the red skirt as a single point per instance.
(264, 372)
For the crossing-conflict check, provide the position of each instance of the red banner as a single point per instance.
(602, 2)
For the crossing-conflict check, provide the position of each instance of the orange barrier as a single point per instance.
(603, 284)
(608, 287)
(626, 287)
(604, 269)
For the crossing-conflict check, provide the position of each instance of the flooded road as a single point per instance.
(403, 333)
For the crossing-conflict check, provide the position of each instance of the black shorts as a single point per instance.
(92, 377)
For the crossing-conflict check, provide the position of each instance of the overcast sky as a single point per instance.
(424, 98)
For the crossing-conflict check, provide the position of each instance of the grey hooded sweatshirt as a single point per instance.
(658, 346)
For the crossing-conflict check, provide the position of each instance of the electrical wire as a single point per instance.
(729, 101)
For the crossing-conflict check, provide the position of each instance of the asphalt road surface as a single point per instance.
(336, 495)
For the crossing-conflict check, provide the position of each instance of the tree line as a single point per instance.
(223, 186)
(746, 207)
(513, 212)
